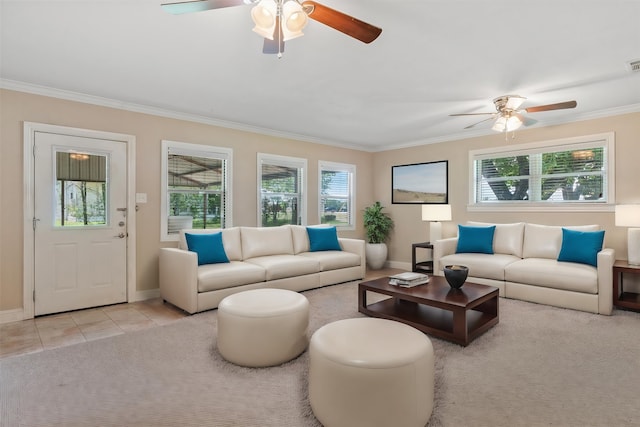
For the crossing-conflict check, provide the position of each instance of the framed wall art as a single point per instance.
(420, 183)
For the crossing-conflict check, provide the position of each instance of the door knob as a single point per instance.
(121, 236)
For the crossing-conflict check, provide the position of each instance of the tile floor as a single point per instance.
(59, 330)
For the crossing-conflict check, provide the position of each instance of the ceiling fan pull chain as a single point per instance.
(279, 24)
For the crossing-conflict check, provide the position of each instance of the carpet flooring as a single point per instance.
(540, 366)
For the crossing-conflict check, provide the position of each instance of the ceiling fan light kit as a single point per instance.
(280, 20)
(508, 117)
(295, 19)
(507, 124)
(266, 13)
(264, 16)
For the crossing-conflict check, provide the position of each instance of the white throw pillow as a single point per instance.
(545, 241)
(264, 241)
(507, 239)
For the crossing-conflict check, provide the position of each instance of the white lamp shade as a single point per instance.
(627, 215)
(264, 16)
(507, 124)
(294, 20)
(436, 212)
(633, 246)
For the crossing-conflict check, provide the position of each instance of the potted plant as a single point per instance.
(377, 225)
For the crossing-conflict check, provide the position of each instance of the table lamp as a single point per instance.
(629, 216)
(435, 214)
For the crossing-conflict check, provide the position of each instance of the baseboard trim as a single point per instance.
(14, 315)
(17, 314)
(399, 264)
(145, 295)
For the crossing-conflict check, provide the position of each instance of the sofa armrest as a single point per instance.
(355, 246)
(179, 278)
(606, 258)
(442, 248)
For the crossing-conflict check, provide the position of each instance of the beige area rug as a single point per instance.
(540, 366)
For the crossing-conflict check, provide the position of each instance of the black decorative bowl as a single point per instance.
(456, 275)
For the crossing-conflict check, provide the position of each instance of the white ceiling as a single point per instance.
(434, 58)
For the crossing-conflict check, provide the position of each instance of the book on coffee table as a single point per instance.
(408, 279)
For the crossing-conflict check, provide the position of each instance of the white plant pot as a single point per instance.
(376, 254)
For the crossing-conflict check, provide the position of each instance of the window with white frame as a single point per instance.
(196, 189)
(281, 190)
(575, 172)
(336, 195)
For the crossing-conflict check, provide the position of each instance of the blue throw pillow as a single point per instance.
(475, 239)
(581, 246)
(208, 246)
(323, 239)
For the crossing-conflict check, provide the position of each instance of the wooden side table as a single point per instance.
(422, 266)
(629, 300)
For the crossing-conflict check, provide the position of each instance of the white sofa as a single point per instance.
(525, 266)
(259, 257)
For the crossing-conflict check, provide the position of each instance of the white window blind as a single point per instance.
(336, 202)
(196, 190)
(281, 195)
(577, 172)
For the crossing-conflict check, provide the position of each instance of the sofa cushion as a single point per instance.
(544, 241)
(208, 247)
(264, 241)
(282, 266)
(481, 265)
(551, 273)
(475, 239)
(581, 246)
(334, 260)
(230, 240)
(212, 277)
(507, 239)
(323, 239)
(300, 238)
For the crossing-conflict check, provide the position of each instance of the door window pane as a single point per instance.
(81, 189)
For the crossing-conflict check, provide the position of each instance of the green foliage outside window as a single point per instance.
(573, 174)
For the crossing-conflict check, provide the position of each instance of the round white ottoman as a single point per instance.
(262, 327)
(370, 372)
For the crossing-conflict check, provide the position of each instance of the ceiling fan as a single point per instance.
(281, 20)
(508, 115)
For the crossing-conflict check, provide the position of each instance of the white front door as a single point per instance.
(80, 230)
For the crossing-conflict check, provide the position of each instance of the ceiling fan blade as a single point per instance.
(471, 114)
(558, 106)
(346, 24)
(275, 46)
(178, 8)
(481, 121)
(272, 47)
(526, 121)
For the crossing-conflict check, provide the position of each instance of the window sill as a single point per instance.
(542, 207)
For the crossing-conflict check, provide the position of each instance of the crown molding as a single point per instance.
(161, 112)
(609, 112)
(155, 111)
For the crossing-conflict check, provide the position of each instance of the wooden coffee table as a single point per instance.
(457, 315)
